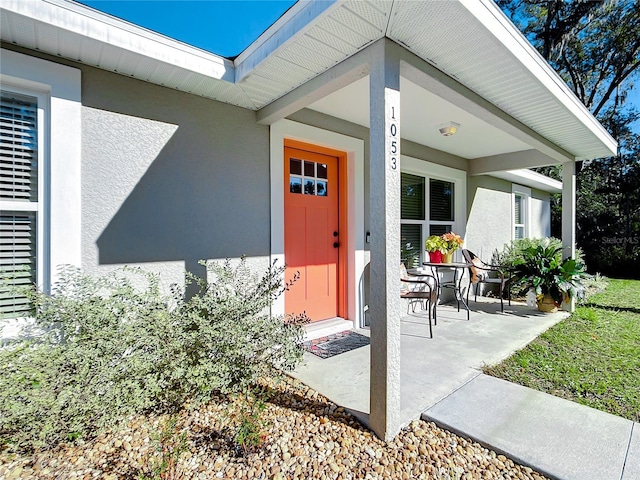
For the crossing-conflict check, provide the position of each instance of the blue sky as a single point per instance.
(221, 27)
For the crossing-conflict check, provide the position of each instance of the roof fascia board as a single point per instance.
(427, 76)
(113, 32)
(329, 81)
(532, 179)
(293, 23)
(509, 161)
(497, 23)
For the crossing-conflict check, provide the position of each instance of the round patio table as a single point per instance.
(455, 285)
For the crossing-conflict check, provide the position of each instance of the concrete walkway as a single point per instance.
(441, 380)
(558, 438)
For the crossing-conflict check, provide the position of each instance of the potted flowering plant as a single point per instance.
(435, 246)
(451, 243)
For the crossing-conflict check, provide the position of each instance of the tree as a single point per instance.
(595, 47)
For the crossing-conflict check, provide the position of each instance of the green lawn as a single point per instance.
(593, 357)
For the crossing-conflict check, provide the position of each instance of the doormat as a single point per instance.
(332, 345)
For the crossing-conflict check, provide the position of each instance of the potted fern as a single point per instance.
(552, 279)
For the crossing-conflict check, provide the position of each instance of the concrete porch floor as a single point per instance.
(431, 368)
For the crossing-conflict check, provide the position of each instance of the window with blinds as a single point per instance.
(18, 200)
(518, 215)
(415, 201)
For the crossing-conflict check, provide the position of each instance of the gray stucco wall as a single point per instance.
(169, 178)
(489, 215)
(489, 226)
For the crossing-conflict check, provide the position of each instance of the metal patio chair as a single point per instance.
(420, 289)
(479, 272)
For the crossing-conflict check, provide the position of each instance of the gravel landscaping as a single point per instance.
(306, 437)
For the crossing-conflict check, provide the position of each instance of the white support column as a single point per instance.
(384, 308)
(569, 217)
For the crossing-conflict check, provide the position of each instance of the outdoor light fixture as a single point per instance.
(449, 129)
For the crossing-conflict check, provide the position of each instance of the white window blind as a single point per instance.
(519, 215)
(18, 200)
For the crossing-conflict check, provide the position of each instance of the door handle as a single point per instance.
(335, 234)
(336, 244)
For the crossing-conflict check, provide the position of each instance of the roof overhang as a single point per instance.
(532, 179)
(470, 41)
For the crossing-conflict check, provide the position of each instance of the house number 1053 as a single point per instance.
(393, 145)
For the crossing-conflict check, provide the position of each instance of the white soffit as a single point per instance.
(532, 179)
(469, 40)
(308, 40)
(474, 42)
(422, 113)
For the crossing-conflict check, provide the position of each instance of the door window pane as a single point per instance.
(411, 197)
(309, 169)
(411, 244)
(309, 187)
(295, 166)
(441, 207)
(295, 185)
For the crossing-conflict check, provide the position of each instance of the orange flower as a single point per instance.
(452, 241)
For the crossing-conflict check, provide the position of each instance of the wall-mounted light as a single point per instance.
(449, 129)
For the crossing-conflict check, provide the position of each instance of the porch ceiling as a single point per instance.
(470, 41)
(422, 113)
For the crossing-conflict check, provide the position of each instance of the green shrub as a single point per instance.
(595, 284)
(109, 350)
(514, 252)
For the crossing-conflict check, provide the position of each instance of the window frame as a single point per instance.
(429, 171)
(42, 221)
(525, 194)
(60, 200)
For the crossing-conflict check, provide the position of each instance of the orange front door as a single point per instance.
(311, 236)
